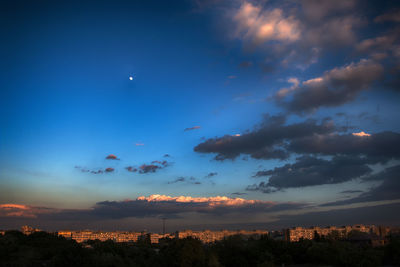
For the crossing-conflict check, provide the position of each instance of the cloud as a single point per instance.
(139, 144)
(150, 206)
(259, 25)
(21, 211)
(294, 34)
(351, 191)
(131, 169)
(376, 215)
(153, 166)
(232, 77)
(311, 171)
(109, 169)
(388, 189)
(361, 134)
(238, 193)
(316, 10)
(332, 32)
(382, 43)
(336, 87)
(98, 171)
(285, 91)
(167, 156)
(156, 205)
(246, 64)
(267, 141)
(113, 157)
(177, 180)
(393, 16)
(379, 147)
(189, 180)
(211, 174)
(192, 128)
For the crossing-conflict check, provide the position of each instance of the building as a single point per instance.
(82, 236)
(208, 236)
(27, 230)
(296, 233)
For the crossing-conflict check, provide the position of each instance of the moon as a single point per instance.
(130, 78)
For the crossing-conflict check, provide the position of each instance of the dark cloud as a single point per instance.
(131, 169)
(153, 167)
(245, 64)
(152, 206)
(113, 157)
(143, 208)
(351, 191)
(146, 168)
(211, 174)
(192, 128)
(98, 171)
(315, 10)
(189, 180)
(379, 147)
(376, 215)
(393, 16)
(265, 142)
(177, 180)
(351, 155)
(109, 169)
(310, 171)
(238, 193)
(167, 156)
(389, 189)
(336, 87)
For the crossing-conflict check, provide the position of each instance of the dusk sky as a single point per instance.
(213, 114)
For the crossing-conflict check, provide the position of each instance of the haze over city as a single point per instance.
(210, 114)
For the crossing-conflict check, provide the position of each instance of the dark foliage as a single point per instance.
(45, 249)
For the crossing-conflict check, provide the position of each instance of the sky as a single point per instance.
(212, 114)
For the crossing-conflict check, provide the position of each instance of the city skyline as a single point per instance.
(209, 114)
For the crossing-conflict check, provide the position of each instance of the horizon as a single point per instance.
(117, 114)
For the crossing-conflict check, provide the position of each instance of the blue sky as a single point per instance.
(229, 67)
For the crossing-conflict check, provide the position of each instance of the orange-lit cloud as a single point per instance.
(361, 134)
(268, 25)
(210, 201)
(22, 211)
(112, 156)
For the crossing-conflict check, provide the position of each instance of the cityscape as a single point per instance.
(211, 133)
(376, 235)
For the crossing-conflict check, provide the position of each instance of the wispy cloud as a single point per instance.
(188, 180)
(112, 156)
(192, 128)
(153, 167)
(211, 174)
(96, 171)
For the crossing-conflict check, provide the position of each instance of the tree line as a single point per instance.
(47, 249)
